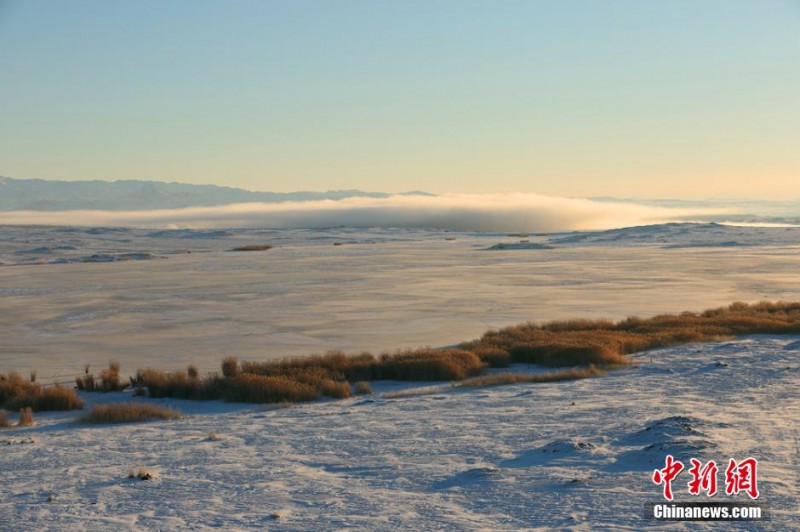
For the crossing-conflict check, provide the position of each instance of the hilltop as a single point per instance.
(135, 195)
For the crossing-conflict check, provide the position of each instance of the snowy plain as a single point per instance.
(571, 455)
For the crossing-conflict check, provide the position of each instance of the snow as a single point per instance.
(680, 235)
(570, 455)
(566, 455)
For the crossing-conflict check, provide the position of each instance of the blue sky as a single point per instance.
(565, 97)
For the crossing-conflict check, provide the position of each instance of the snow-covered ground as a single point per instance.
(560, 455)
(573, 455)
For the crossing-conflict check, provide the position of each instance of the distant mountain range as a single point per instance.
(133, 195)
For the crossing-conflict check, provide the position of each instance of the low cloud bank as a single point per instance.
(462, 212)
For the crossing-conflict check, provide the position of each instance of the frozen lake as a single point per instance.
(194, 301)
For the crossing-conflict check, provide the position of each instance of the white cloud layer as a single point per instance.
(458, 212)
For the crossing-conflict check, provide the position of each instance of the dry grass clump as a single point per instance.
(109, 381)
(308, 378)
(230, 367)
(516, 378)
(17, 392)
(423, 364)
(363, 388)
(25, 417)
(578, 350)
(336, 389)
(314, 369)
(12, 385)
(243, 388)
(128, 413)
(48, 398)
(602, 342)
(141, 474)
(253, 247)
(171, 384)
(494, 357)
(85, 382)
(249, 388)
(427, 364)
(109, 378)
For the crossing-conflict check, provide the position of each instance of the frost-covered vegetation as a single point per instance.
(584, 346)
(602, 342)
(16, 392)
(128, 413)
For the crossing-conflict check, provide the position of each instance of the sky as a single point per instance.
(573, 98)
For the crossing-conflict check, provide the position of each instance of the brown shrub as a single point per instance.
(338, 390)
(11, 385)
(85, 382)
(249, 388)
(417, 364)
(494, 357)
(230, 367)
(4, 422)
(430, 369)
(332, 365)
(311, 376)
(363, 388)
(244, 387)
(48, 398)
(128, 412)
(253, 247)
(577, 325)
(25, 417)
(361, 367)
(428, 364)
(174, 384)
(109, 379)
(16, 393)
(560, 355)
(579, 342)
(192, 372)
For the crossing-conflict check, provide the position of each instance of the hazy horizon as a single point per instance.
(601, 197)
(158, 204)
